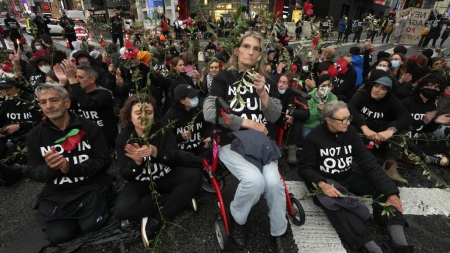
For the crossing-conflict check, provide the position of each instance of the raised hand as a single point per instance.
(59, 73)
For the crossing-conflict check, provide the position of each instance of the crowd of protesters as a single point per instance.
(66, 112)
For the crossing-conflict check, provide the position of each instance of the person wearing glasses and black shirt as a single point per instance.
(259, 108)
(329, 152)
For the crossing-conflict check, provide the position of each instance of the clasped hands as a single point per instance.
(374, 136)
(137, 152)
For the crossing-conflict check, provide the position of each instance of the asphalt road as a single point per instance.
(194, 231)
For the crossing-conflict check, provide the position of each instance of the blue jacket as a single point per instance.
(255, 147)
(342, 26)
(358, 65)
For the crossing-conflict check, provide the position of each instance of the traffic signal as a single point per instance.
(179, 9)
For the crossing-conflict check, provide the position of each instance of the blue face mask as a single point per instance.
(194, 102)
(395, 64)
(281, 91)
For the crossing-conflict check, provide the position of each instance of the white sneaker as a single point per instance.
(144, 233)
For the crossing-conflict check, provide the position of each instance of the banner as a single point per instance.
(413, 30)
(296, 15)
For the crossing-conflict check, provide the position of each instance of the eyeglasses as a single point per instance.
(283, 82)
(344, 121)
(246, 48)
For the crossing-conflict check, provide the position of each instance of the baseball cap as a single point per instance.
(185, 90)
(385, 80)
(6, 83)
(269, 50)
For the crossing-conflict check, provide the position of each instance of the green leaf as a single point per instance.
(383, 212)
(241, 101)
(61, 139)
(315, 185)
(247, 83)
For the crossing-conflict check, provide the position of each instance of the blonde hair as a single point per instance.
(233, 62)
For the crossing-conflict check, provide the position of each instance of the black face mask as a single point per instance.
(430, 93)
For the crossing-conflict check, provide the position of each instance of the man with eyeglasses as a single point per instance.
(328, 154)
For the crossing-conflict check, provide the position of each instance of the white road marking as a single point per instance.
(317, 234)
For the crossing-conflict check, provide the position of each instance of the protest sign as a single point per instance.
(414, 28)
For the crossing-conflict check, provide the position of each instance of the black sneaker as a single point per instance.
(437, 160)
(149, 228)
(395, 248)
(237, 232)
(279, 244)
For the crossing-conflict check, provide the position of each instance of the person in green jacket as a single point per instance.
(319, 96)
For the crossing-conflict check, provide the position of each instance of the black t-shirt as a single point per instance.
(223, 86)
(13, 26)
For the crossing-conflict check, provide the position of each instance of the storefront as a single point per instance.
(99, 16)
(219, 8)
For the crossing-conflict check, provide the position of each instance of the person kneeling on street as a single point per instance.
(19, 114)
(70, 155)
(148, 157)
(328, 154)
(379, 115)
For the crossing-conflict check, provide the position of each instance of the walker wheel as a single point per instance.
(299, 214)
(221, 234)
(206, 186)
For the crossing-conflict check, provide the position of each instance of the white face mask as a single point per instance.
(324, 91)
(382, 68)
(305, 68)
(45, 69)
(38, 47)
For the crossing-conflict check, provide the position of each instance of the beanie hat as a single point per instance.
(144, 56)
(323, 78)
(428, 53)
(382, 54)
(355, 51)
(418, 73)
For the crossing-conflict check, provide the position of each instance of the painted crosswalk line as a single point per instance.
(317, 234)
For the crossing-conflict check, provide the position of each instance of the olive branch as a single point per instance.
(21, 152)
(237, 100)
(387, 209)
(416, 159)
(190, 124)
